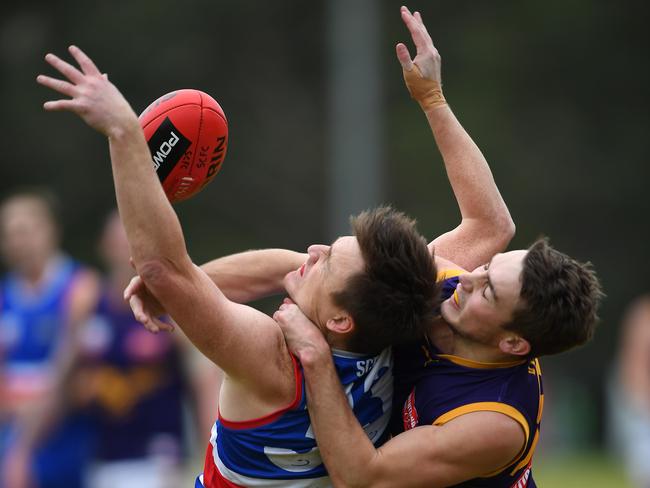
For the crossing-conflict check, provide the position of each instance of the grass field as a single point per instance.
(583, 470)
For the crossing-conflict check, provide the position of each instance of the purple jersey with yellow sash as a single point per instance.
(442, 387)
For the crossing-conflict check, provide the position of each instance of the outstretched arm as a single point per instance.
(467, 447)
(486, 226)
(242, 277)
(232, 335)
(251, 275)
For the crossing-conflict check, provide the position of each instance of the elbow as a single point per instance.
(502, 229)
(156, 274)
(507, 229)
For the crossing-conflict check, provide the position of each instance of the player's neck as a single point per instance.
(475, 351)
(38, 272)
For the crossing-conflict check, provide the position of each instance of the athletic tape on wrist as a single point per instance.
(428, 93)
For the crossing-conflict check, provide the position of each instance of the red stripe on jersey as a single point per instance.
(270, 418)
(212, 478)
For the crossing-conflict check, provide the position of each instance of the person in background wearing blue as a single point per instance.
(133, 383)
(45, 298)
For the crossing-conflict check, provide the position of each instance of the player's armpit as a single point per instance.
(474, 242)
(467, 447)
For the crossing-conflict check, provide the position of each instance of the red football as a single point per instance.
(187, 133)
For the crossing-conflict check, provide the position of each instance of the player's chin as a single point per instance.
(290, 282)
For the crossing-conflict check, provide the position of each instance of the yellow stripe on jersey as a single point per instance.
(478, 364)
(503, 408)
(445, 274)
(538, 368)
(529, 456)
(499, 407)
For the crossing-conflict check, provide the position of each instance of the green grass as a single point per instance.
(579, 470)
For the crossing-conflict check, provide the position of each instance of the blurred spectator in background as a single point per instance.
(630, 392)
(70, 349)
(134, 384)
(44, 299)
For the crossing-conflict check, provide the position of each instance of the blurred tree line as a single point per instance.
(555, 93)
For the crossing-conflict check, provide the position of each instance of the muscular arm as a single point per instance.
(231, 335)
(251, 275)
(467, 447)
(486, 226)
(241, 277)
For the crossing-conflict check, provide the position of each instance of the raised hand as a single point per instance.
(423, 73)
(92, 97)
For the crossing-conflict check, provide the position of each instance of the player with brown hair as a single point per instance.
(262, 394)
(470, 394)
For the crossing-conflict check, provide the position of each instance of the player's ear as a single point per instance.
(340, 324)
(514, 344)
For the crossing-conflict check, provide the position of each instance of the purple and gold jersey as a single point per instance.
(134, 372)
(442, 387)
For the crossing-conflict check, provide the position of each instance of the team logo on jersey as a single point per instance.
(292, 461)
(410, 413)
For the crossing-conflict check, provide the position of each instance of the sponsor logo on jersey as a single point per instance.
(410, 413)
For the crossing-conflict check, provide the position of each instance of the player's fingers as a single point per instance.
(86, 64)
(404, 57)
(163, 325)
(61, 86)
(58, 105)
(134, 286)
(146, 321)
(65, 68)
(423, 29)
(414, 28)
(139, 312)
